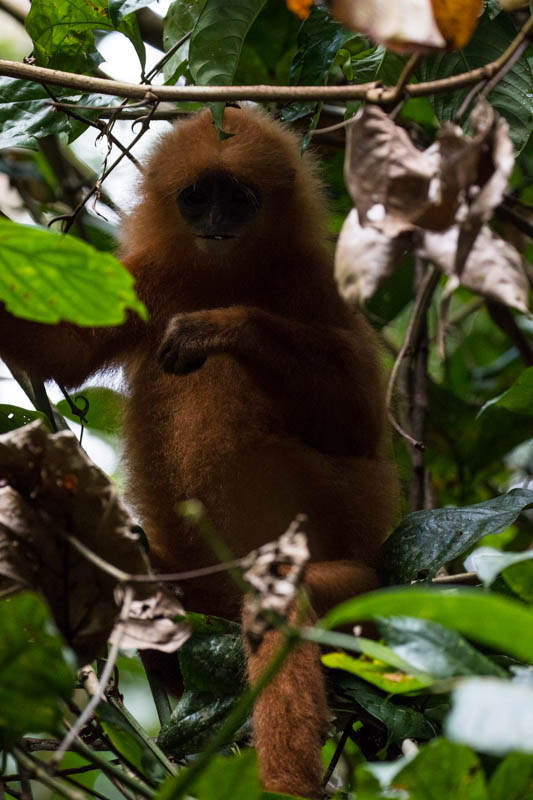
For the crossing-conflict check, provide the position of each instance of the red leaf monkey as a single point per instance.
(252, 388)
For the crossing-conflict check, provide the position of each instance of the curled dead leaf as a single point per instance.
(457, 20)
(512, 5)
(403, 26)
(493, 267)
(274, 573)
(54, 504)
(364, 258)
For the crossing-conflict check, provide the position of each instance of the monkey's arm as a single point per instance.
(65, 352)
(325, 381)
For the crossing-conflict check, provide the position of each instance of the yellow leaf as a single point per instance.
(456, 20)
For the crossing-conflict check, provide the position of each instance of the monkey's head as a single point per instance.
(218, 208)
(208, 196)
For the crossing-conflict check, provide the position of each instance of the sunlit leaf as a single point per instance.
(490, 619)
(48, 277)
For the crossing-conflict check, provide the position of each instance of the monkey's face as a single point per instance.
(218, 208)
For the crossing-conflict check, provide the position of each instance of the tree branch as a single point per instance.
(371, 92)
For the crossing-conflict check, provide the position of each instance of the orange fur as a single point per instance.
(285, 416)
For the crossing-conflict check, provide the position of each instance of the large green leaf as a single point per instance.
(194, 719)
(12, 417)
(213, 663)
(512, 96)
(518, 398)
(48, 277)
(27, 114)
(118, 9)
(425, 540)
(180, 19)
(489, 619)
(36, 670)
(319, 40)
(513, 778)
(493, 716)
(442, 771)
(223, 779)
(218, 37)
(62, 33)
(430, 647)
(401, 721)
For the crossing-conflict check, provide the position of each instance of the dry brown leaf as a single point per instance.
(152, 624)
(403, 26)
(452, 186)
(274, 573)
(493, 267)
(363, 259)
(457, 20)
(50, 491)
(389, 180)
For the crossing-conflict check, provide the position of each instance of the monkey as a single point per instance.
(252, 388)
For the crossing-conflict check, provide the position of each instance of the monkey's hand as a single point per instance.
(185, 346)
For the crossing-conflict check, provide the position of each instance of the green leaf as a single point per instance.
(62, 33)
(36, 670)
(194, 719)
(518, 398)
(431, 648)
(27, 114)
(224, 779)
(218, 37)
(513, 778)
(105, 408)
(319, 40)
(48, 277)
(213, 663)
(493, 620)
(128, 743)
(489, 563)
(402, 722)
(493, 716)
(390, 680)
(442, 771)
(118, 9)
(512, 97)
(425, 540)
(180, 19)
(12, 417)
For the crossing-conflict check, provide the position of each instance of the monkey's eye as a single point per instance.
(194, 199)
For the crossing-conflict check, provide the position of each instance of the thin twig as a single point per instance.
(422, 301)
(417, 372)
(163, 60)
(35, 745)
(69, 218)
(462, 578)
(103, 128)
(338, 750)
(104, 680)
(125, 577)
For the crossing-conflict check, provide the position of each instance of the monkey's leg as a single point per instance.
(290, 717)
